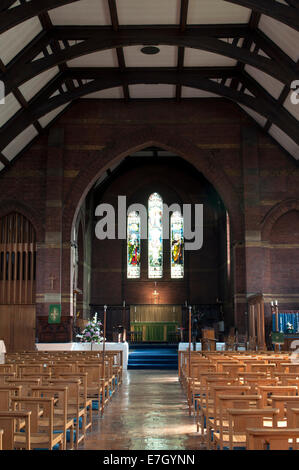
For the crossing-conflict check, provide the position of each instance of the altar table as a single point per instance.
(124, 347)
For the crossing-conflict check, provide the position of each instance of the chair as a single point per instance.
(27, 384)
(61, 422)
(9, 421)
(231, 401)
(75, 410)
(212, 421)
(84, 401)
(268, 390)
(39, 439)
(239, 420)
(293, 417)
(7, 392)
(272, 439)
(4, 376)
(283, 403)
(97, 385)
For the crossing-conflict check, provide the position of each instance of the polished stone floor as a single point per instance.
(149, 412)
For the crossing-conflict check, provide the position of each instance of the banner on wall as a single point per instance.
(54, 313)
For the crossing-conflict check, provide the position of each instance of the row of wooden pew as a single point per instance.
(48, 399)
(243, 400)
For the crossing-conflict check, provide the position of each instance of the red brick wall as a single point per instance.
(252, 174)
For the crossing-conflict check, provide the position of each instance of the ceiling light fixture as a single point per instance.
(150, 50)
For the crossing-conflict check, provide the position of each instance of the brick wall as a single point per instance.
(256, 179)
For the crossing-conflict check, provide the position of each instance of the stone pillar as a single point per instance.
(50, 279)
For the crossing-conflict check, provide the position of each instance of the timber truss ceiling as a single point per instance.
(53, 52)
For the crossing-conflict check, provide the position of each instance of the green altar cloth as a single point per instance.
(154, 331)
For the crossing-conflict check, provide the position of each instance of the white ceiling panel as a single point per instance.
(85, 12)
(188, 92)
(167, 57)
(45, 120)
(148, 12)
(15, 39)
(106, 58)
(197, 58)
(8, 109)
(19, 143)
(285, 141)
(273, 86)
(291, 107)
(152, 91)
(33, 86)
(284, 36)
(109, 93)
(16, 4)
(215, 12)
(261, 120)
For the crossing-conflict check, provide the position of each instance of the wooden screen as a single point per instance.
(17, 327)
(156, 313)
(17, 260)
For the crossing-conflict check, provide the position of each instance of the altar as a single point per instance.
(124, 347)
(155, 323)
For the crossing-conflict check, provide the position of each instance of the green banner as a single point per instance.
(277, 338)
(54, 313)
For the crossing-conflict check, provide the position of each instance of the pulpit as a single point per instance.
(208, 341)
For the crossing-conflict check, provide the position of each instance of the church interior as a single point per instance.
(149, 225)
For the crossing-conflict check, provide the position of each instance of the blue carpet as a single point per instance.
(153, 356)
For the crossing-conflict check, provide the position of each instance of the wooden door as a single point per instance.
(17, 327)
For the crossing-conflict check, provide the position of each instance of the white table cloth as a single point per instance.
(124, 347)
(2, 351)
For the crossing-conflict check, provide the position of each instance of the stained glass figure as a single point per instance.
(177, 245)
(155, 236)
(133, 246)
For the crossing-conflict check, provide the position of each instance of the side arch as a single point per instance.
(8, 205)
(275, 213)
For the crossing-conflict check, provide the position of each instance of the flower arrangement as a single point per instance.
(92, 333)
(290, 328)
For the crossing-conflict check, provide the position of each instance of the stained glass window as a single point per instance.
(155, 236)
(133, 245)
(177, 245)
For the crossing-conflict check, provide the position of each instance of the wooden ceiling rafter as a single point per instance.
(11, 17)
(261, 103)
(24, 68)
(119, 50)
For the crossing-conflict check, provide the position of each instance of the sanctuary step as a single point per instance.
(153, 356)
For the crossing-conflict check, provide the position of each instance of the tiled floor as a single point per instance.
(149, 412)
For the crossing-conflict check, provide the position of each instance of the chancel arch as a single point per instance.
(135, 272)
